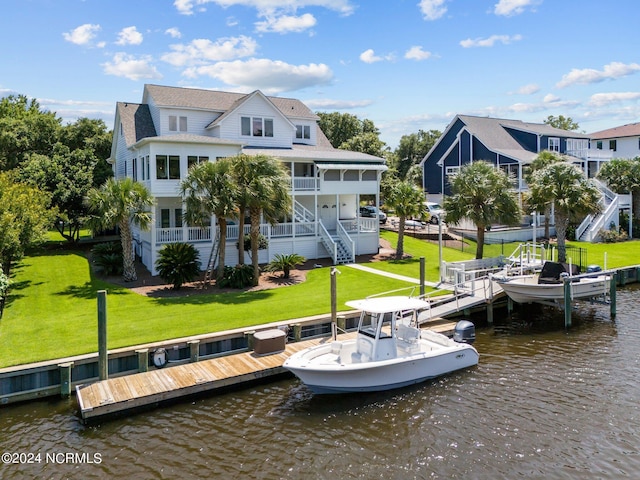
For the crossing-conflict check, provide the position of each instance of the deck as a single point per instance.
(148, 389)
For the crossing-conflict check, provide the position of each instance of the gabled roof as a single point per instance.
(240, 101)
(214, 100)
(494, 134)
(136, 122)
(629, 130)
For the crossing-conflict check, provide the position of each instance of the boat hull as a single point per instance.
(383, 375)
(526, 289)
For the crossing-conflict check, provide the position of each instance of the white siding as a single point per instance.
(258, 107)
(625, 147)
(197, 120)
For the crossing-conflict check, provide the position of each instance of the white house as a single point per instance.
(156, 141)
(619, 142)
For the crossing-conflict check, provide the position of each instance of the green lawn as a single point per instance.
(52, 309)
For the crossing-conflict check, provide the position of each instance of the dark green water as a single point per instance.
(543, 403)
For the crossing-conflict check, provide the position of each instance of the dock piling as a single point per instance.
(143, 360)
(612, 295)
(65, 378)
(103, 358)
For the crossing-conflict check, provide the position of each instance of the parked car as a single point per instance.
(373, 212)
(435, 211)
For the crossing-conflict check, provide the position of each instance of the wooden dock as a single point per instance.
(149, 389)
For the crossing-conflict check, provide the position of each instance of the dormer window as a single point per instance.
(256, 126)
(303, 132)
(177, 123)
(554, 144)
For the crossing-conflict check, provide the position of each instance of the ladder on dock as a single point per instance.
(213, 258)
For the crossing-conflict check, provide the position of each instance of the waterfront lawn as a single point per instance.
(51, 310)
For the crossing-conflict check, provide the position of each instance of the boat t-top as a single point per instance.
(389, 351)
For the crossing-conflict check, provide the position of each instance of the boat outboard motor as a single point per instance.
(593, 268)
(465, 332)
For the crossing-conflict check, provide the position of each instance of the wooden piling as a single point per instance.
(612, 295)
(567, 302)
(65, 378)
(143, 360)
(194, 350)
(103, 358)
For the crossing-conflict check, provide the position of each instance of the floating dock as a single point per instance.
(149, 389)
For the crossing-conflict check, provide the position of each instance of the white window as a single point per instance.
(452, 171)
(194, 160)
(167, 167)
(134, 173)
(303, 131)
(256, 126)
(175, 122)
(554, 144)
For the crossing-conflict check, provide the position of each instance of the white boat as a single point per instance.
(389, 351)
(548, 285)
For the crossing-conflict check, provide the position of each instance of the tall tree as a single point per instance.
(623, 176)
(562, 122)
(482, 194)
(412, 149)
(407, 201)
(24, 129)
(25, 218)
(92, 135)
(209, 190)
(263, 190)
(121, 203)
(368, 143)
(535, 203)
(571, 192)
(67, 176)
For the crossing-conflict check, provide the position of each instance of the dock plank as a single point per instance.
(121, 394)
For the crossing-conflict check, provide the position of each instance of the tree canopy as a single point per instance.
(562, 122)
(484, 195)
(407, 201)
(411, 150)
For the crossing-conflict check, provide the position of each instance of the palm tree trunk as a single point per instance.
(480, 244)
(547, 222)
(222, 224)
(254, 213)
(126, 239)
(241, 235)
(400, 246)
(562, 222)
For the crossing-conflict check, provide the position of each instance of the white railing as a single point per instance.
(305, 229)
(197, 234)
(589, 153)
(302, 212)
(306, 183)
(348, 242)
(589, 229)
(169, 235)
(330, 245)
(364, 225)
(281, 230)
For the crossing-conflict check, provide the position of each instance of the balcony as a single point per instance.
(591, 154)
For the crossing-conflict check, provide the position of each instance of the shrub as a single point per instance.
(178, 263)
(239, 276)
(613, 235)
(107, 257)
(285, 263)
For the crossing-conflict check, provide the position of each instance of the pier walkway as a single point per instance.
(148, 389)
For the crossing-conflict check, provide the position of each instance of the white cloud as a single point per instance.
(417, 53)
(269, 76)
(550, 98)
(265, 7)
(201, 51)
(529, 89)
(130, 67)
(604, 99)
(369, 56)
(174, 32)
(509, 8)
(432, 9)
(82, 35)
(490, 41)
(329, 104)
(286, 23)
(590, 75)
(129, 36)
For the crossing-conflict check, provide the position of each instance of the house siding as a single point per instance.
(527, 140)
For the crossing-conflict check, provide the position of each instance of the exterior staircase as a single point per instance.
(339, 244)
(611, 203)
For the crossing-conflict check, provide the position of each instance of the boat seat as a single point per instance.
(407, 334)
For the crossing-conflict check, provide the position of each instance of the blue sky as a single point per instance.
(406, 65)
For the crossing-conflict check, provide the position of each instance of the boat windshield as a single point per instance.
(374, 324)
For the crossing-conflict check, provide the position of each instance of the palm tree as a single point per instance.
(483, 194)
(263, 190)
(285, 263)
(208, 190)
(121, 203)
(542, 204)
(407, 201)
(571, 193)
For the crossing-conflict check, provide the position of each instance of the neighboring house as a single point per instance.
(155, 142)
(619, 142)
(508, 144)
